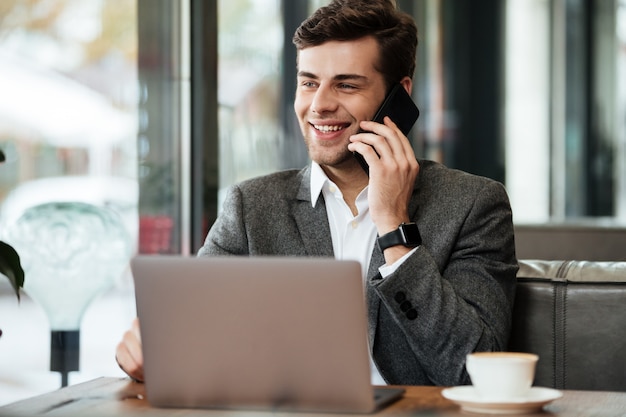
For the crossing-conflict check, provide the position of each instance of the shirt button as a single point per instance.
(332, 189)
(354, 224)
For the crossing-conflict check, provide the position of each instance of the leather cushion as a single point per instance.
(573, 315)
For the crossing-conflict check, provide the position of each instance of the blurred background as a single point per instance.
(151, 108)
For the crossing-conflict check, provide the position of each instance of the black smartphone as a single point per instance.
(401, 109)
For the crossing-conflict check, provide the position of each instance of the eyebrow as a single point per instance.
(338, 77)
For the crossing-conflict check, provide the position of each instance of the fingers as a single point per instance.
(128, 353)
(392, 172)
(135, 329)
(384, 142)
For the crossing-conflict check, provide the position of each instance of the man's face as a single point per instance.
(338, 87)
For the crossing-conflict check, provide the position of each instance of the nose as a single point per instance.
(324, 100)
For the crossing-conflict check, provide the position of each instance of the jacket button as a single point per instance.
(411, 314)
(400, 297)
(405, 306)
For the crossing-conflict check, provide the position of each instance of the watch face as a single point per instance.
(411, 234)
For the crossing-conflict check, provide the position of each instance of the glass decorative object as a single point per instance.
(71, 252)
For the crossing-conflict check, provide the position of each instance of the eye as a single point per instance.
(308, 84)
(344, 86)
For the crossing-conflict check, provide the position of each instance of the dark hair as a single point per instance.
(346, 20)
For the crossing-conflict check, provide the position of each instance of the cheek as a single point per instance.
(366, 110)
(300, 105)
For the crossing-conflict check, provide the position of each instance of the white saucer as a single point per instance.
(468, 399)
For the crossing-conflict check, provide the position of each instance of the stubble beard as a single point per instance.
(328, 156)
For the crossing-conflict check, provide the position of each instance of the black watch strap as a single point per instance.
(407, 234)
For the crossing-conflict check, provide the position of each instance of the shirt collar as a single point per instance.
(318, 179)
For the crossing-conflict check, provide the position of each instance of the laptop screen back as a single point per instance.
(253, 333)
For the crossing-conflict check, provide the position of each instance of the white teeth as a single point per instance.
(325, 128)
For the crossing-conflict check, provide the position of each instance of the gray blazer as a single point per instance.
(454, 295)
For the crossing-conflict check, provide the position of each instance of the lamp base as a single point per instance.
(64, 352)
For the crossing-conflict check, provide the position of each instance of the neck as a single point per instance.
(350, 180)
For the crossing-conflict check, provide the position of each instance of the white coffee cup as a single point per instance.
(501, 376)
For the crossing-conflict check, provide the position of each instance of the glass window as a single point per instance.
(527, 109)
(250, 88)
(565, 119)
(68, 103)
(68, 127)
(163, 133)
(620, 110)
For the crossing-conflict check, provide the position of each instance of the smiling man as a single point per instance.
(436, 244)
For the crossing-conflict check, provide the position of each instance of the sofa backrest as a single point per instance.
(573, 315)
(583, 242)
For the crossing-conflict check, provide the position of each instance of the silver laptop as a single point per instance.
(264, 333)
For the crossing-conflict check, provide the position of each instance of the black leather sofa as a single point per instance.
(573, 315)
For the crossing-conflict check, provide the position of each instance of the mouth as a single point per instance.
(329, 128)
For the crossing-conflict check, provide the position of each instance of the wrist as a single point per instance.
(384, 226)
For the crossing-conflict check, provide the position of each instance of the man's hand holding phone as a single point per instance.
(383, 147)
(394, 169)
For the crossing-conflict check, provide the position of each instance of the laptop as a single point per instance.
(255, 333)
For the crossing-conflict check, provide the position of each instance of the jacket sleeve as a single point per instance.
(228, 234)
(454, 295)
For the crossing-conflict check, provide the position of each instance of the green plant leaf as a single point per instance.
(11, 267)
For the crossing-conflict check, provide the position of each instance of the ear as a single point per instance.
(407, 83)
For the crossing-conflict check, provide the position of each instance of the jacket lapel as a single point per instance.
(312, 221)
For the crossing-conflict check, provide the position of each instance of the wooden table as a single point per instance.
(122, 397)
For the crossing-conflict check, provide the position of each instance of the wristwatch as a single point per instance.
(407, 234)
